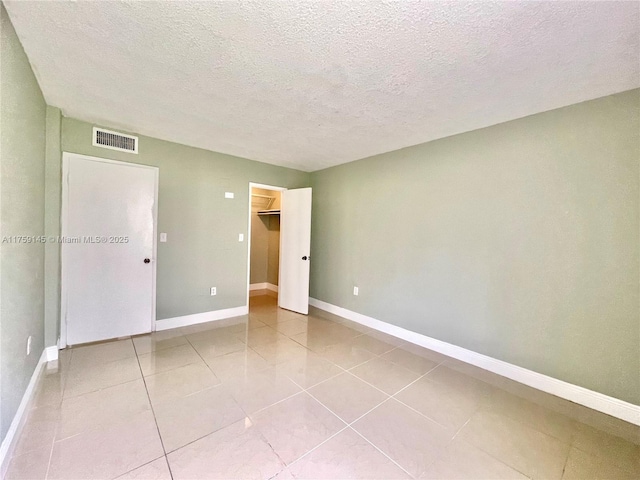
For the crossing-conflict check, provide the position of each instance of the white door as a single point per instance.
(108, 233)
(295, 250)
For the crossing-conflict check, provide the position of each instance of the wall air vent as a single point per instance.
(114, 140)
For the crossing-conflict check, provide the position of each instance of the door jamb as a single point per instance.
(63, 220)
(253, 185)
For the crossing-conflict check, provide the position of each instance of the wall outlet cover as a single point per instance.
(355, 290)
(213, 291)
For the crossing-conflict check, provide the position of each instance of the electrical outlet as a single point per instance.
(29, 344)
(355, 291)
(213, 291)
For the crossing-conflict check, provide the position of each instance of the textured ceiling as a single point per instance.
(315, 84)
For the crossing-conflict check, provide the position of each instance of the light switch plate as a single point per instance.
(163, 237)
(241, 237)
(228, 195)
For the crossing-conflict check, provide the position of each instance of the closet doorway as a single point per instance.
(264, 239)
(279, 245)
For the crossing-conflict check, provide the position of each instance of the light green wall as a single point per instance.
(259, 248)
(202, 226)
(52, 201)
(519, 241)
(273, 253)
(22, 169)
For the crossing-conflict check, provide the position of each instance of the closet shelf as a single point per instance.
(275, 211)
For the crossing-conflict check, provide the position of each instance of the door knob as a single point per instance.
(146, 260)
(306, 257)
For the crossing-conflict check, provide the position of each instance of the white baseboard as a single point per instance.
(263, 286)
(595, 400)
(51, 353)
(186, 320)
(13, 434)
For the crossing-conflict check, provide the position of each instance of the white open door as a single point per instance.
(295, 250)
(108, 264)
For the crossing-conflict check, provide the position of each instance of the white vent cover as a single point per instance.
(114, 140)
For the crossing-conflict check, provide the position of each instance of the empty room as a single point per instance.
(319, 240)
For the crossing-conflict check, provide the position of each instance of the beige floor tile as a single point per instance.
(237, 364)
(374, 345)
(585, 466)
(180, 382)
(461, 461)
(158, 341)
(398, 342)
(529, 451)
(353, 325)
(39, 430)
(278, 315)
(529, 413)
(291, 327)
(156, 470)
(442, 403)
(309, 370)
(343, 332)
(237, 451)
(167, 359)
(425, 353)
(96, 376)
(255, 391)
(284, 474)
(185, 419)
(215, 347)
(261, 336)
(281, 351)
(347, 396)
(29, 466)
(386, 376)
(296, 425)
(346, 455)
(410, 361)
(49, 390)
(102, 408)
(254, 323)
(609, 448)
(345, 355)
(317, 339)
(102, 352)
(109, 452)
(411, 440)
(458, 380)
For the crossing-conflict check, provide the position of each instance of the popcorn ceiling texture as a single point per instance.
(314, 84)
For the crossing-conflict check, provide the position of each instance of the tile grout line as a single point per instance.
(64, 386)
(152, 409)
(349, 425)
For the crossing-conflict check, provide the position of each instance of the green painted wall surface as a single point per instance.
(52, 201)
(202, 250)
(22, 165)
(273, 254)
(519, 241)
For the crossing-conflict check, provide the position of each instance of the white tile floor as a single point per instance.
(280, 395)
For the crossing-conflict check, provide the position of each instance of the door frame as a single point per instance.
(66, 156)
(253, 185)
